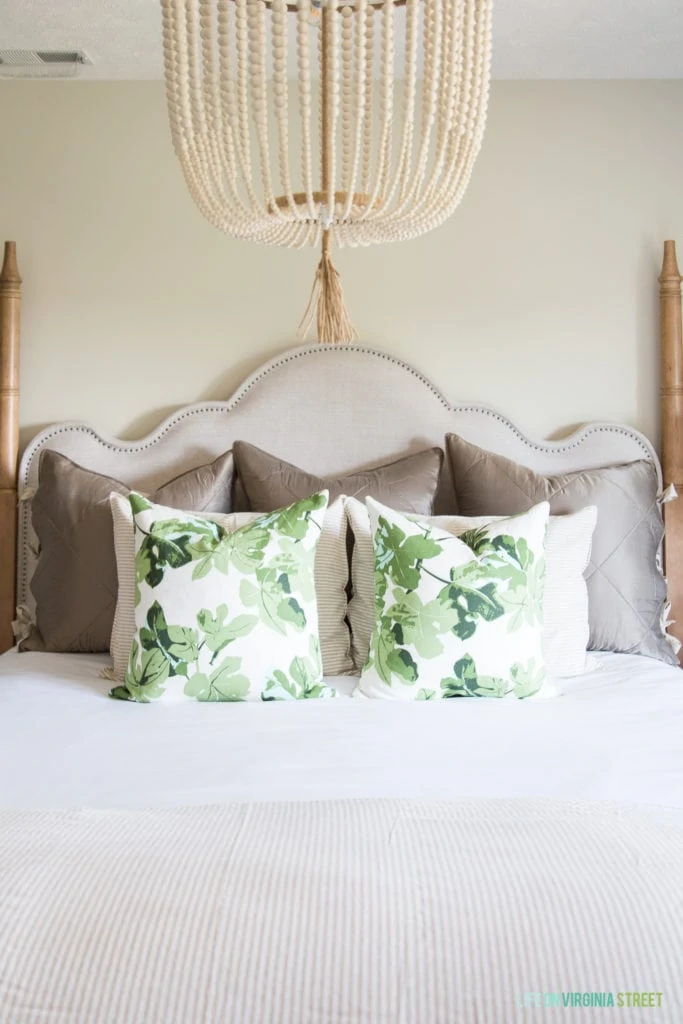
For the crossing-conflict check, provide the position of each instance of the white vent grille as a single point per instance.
(42, 63)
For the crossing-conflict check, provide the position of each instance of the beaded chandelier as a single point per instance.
(383, 103)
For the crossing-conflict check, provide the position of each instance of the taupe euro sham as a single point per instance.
(626, 588)
(269, 483)
(75, 582)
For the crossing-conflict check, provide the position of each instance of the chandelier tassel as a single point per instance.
(326, 304)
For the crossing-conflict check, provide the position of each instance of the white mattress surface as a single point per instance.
(615, 733)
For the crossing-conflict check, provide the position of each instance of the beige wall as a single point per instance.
(537, 298)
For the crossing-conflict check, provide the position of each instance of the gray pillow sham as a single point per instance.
(75, 581)
(408, 484)
(626, 588)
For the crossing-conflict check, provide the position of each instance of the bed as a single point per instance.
(346, 861)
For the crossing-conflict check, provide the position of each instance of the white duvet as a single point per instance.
(615, 733)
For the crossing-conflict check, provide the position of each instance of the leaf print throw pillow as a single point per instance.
(225, 615)
(456, 616)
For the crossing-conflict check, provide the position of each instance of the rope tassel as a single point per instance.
(326, 305)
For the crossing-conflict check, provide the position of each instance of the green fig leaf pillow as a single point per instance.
(565, 594)
(225, 616)
(456, 616)
(331, 581)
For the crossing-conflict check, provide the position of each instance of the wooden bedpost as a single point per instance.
(672, 426)
(10, 306)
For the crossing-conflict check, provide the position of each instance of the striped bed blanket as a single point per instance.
(341, 912)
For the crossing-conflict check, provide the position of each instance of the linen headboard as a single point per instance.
(327, 409)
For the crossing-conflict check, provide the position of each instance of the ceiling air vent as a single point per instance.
(42, 63)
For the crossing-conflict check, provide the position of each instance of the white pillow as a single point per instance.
(565, 601)
(331, 577)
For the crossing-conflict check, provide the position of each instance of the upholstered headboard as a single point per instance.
(327, 409)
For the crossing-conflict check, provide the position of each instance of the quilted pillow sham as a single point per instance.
(409, 483)
(74, 583)
(456, 617)
(331, 578)
(626, 589)
(565, 596)
(225, 616)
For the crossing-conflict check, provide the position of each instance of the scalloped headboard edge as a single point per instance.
(329, 409)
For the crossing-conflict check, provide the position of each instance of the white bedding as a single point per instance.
(286, 899)
(615, 733)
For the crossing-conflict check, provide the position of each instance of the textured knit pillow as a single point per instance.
(456, 617)
(331, 578)
(409, 483)
(626, 588)
(225, 616)
(565, 597)
(74, 583)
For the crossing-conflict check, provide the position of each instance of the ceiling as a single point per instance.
(532, 38)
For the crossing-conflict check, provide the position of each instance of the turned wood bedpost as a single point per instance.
(672, 426)
(10, 306)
